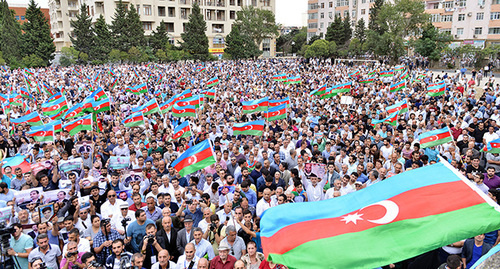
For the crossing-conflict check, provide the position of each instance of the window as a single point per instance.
(481, 2)
(147, 10)
(461, 17)
(460, 31)
(313, 16)
(461, 3)
(312, 6)
(17, 18)
(217, 28)
(346, 12)
(313, 25)
(478, 30)
(138, 7)
(495, 16)
(171, 40)
(330, 4)
(479, 16)
(267, 3)
(218, 41)
(254, 3)
(161, 11)
(363, 1)
(363, 11)
(22, 18)
(322, 15)
(341, 3)
(321, 25)
(445, 30)
(184, 13)
(446, 18)
(232, 15)
(494, 31)
(232, 2)
(448, 4)
(496, 2)
(435, 18)
(147, 26)
(435, 6)
(170, 27)
(330, 15)
(353, 14)
(322, 5)
(266, 47)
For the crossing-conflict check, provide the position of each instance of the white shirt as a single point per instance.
(263, 205)
(107, 209)
(203, 248)
(157, 265)
(314, 193)
(170, 189)
(183, 264)
(116, 221)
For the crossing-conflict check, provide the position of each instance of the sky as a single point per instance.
(288, 12)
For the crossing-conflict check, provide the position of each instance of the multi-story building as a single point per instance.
(475, 22)
(219, 16)
(20, 12)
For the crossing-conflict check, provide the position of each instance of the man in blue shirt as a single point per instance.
(5, 193)
(7, 176)
(137, 230)
(21, 245)
(249, 193)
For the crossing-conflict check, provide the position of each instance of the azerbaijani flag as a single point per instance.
(404, 75)
(436, 89)
(210, 93)
(195, 158)
(328, 94)
(111, 72)
(134, 120)
(319, 91)
(56, 123)
(400, 107)
(398, 86)
(25, 93)
(355, 73)
(367, 80)
(293, 80)
(435, 137)
(276, 113)
(391, 119)
(138, 89)
(200, 68)
(420, 77)
(101, 106)
(388, 73)
(165, 107)
(32, 119)
(492, 146)
(113, 84)
(212, 82)
(98, 94)
(255, 105)
(75, 111)
(183, 111)
(398, 68)
(182, 130)
(148, 108)
(15, 162)
(249, 128)
(280, 77)
(389, 218)
(80, 124)
(43, 134)
(335, 90)
(273, 103)
(28, 72)
(191, 101)
(54, 107)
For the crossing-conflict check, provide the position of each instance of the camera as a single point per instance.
(43, 265)
(5, 233)
(125, 220)
(95, 264)
(71, 254)
(105, 222)
(125, 262)
(212, 227)
(150, 239)
(189, 202)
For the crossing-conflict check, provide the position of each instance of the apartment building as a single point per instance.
(20, 12)
(219, 15)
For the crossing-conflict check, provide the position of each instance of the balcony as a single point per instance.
(185, 2)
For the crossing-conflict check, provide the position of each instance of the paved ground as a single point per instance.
(491, 262)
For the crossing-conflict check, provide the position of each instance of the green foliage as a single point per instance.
(299, 39)
(332, 48)
(2, 61)
(114, 56)
(195, 41)
(159, 38)
(134, 55)
(303, 50)
(240, 46)
(135, 32)
(360, 30)
(432, 43)
(347, 28)
(10, 33)
(319, 49)
(161, 55)
(373, 21)
(256, 23)
(313, 38)
(355, 47)
(82, 29)
(33, 60)
(103, 40)
(69, 55)
(177, 55)
(336, 32)
(119, 27)
(36, 39)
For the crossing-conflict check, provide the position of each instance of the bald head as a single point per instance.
(163, 257)
(203, 263)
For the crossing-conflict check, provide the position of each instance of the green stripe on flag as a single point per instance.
(134, 123)
(185, 114)
(248, 132)
(393, 242)
(437, 142)
(197, 166)
(279, 117)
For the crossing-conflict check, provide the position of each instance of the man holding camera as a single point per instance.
(119, 256)
(50, 254)
(118, 220)
(192, 210)
(150, 246)
(137, 230)
(72, 257)
(20, 246)
(103, 240)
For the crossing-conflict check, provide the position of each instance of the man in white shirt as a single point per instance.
(116, 221)
(112, 206)
(163, 261)
(264, 203)
(83, 244)
(188, 258)
(314, 189)
(166, 187)
(203, 247)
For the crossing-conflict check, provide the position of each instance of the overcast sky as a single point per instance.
(288, 12)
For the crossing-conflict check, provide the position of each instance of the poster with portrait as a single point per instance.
(119, 162)
(56, 196)
(5, 213)
(41, 166)
(223, 190)
(84, 147)
(46, 212)
(319, 169)
(25, 197)
(124, 195)
(70, 165)
(84, 202)
(129, 177)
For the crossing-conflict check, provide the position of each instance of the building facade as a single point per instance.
(475, 22)
(219, 16)
(20, 12)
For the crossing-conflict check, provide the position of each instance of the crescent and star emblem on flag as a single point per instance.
(392, 211)
(249, 127)
(192, 159)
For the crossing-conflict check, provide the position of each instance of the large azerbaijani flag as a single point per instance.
(80, 124)
(436, 89)
(138, 89)
(148, 108)
(43, 133)
(249, 128)
(212, 82)
(293, 80)
(367, 80)
(492, 146)
(255, 105)
(391, 119)
(435, 137)
(191, 101)
(400, 107)
(388, 73)
(273, 103)
(319, 91)
(279, 77)
(389, 218)
(398, 86)
(101, 106)
(276, 113)
(56, 123)
(182, 130)
(183, 111)
(136, 119)
(195, 158)
(404, 75)
(54, 107)
(32, 119)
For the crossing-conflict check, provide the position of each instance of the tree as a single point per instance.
(299, 39)
(359, 30)
(320, 48)
(256, 23)
(159, 38)
(347, 28)
(103, 40)
(10, 34)
(119, 27)
(135, 32)
(36, 39)
(69, 55)
(313, 38)
(82, 29)
(240, 46)
(194, 39)
(373, 22)
(335, 31)
(432, 43)
(355, 47)
(134, 55)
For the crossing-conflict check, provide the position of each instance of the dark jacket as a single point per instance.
(110, 261)
(469, 248)
(170, 245)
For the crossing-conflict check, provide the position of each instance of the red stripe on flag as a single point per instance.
(200, 156)
(392, 110)
(245, 128)
(438, 200)
(433, 137)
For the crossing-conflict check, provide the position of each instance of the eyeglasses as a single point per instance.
(109, 196)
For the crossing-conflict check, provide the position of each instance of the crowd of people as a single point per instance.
(324, 149)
